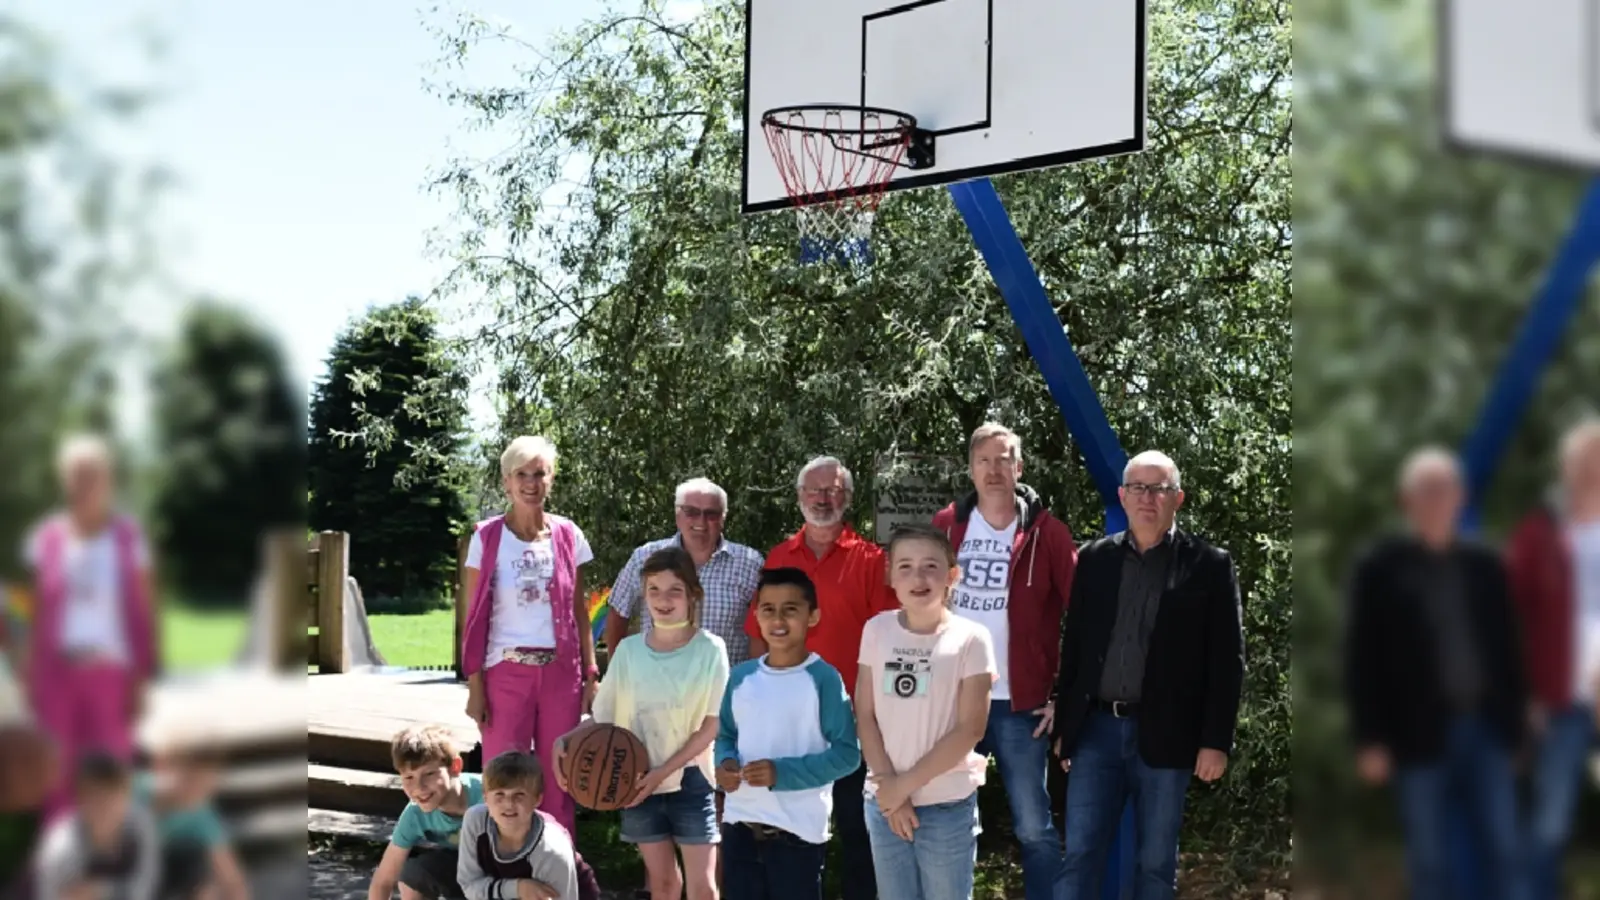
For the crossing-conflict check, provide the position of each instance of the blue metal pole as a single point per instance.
(1547, 319)
(1018, 281)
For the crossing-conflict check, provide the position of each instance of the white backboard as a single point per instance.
(1522, 77)
(1005, 85)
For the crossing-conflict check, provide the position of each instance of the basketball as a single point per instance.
(565, 762)
(605, 764)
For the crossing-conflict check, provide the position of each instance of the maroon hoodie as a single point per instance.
(1539, 568)
(1043, 557)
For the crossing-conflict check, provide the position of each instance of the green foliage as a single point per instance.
(386, 428)
(656, 334)
(72, 243)
(1416, 269)
(228, 418)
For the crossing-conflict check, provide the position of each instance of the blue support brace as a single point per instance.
(1013, 272)
(1035, 316)
(1547, 320)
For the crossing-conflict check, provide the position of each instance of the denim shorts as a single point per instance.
(688, 815)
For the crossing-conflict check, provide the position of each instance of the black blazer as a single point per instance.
(1194, 670)
(1393, 684)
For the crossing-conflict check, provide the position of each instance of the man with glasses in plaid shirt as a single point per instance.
(728, 571)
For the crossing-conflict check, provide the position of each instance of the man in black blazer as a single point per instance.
(1152, 663)
(1435, 684)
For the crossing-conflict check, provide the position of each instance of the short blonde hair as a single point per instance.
(990, 430)
(524, 450)
(82, 449)
(1580, 439)
(419, 745)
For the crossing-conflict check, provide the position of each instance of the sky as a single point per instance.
(301, 133)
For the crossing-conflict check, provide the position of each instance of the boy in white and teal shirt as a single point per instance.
(431, 774)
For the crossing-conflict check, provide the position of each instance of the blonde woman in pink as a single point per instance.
(92, 645)
(528, 650)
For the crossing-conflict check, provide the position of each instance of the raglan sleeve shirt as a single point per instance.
(475, 883)
(843, 753)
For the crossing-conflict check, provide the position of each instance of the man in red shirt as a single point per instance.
(852, 586)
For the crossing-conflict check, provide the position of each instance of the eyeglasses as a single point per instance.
(824, 492)
(695, 512)
(1139, 490)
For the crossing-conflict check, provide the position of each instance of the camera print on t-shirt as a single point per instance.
(535, 569)
(907, 673)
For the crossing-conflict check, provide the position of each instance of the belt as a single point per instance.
(529, 656)
(1121, 709)
(768, 832)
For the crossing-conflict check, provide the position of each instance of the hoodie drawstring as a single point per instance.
(1032, 552)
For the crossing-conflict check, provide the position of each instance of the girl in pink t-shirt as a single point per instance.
(922, 705)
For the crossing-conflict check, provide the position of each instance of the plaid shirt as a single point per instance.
(729, 578)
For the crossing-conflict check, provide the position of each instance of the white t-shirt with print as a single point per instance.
(92, 619)
(522, 615)
(984, 591)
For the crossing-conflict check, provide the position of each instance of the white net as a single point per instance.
(835, 163)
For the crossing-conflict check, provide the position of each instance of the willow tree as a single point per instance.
(656, 334)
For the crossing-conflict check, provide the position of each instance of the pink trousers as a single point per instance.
(84, 708)
(529, 707)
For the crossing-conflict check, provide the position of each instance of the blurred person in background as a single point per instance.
(1435, 684)
(198, 861)
(528, 649)
(107, 848)
(91, 650)
(27, 769)
(1554, 565)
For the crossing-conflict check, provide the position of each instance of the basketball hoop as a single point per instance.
(836, 162)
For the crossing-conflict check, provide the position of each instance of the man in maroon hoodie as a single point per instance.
(1016, 572)
(1553, 564)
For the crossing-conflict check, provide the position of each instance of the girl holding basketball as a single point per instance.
(666, 687)
(922, 706)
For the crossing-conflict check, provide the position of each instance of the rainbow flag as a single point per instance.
(599, 608)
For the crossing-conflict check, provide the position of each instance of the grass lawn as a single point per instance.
(416, 640)
(200, 639)
(197, 639)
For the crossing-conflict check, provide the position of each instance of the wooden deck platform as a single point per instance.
(350, 718)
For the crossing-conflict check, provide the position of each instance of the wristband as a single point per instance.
(591, 673)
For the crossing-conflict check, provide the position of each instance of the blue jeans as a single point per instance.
(1106, 772)
(1473, 779)
(1557, 781)
(1024, 762)
(763, 864)
(938, 863)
